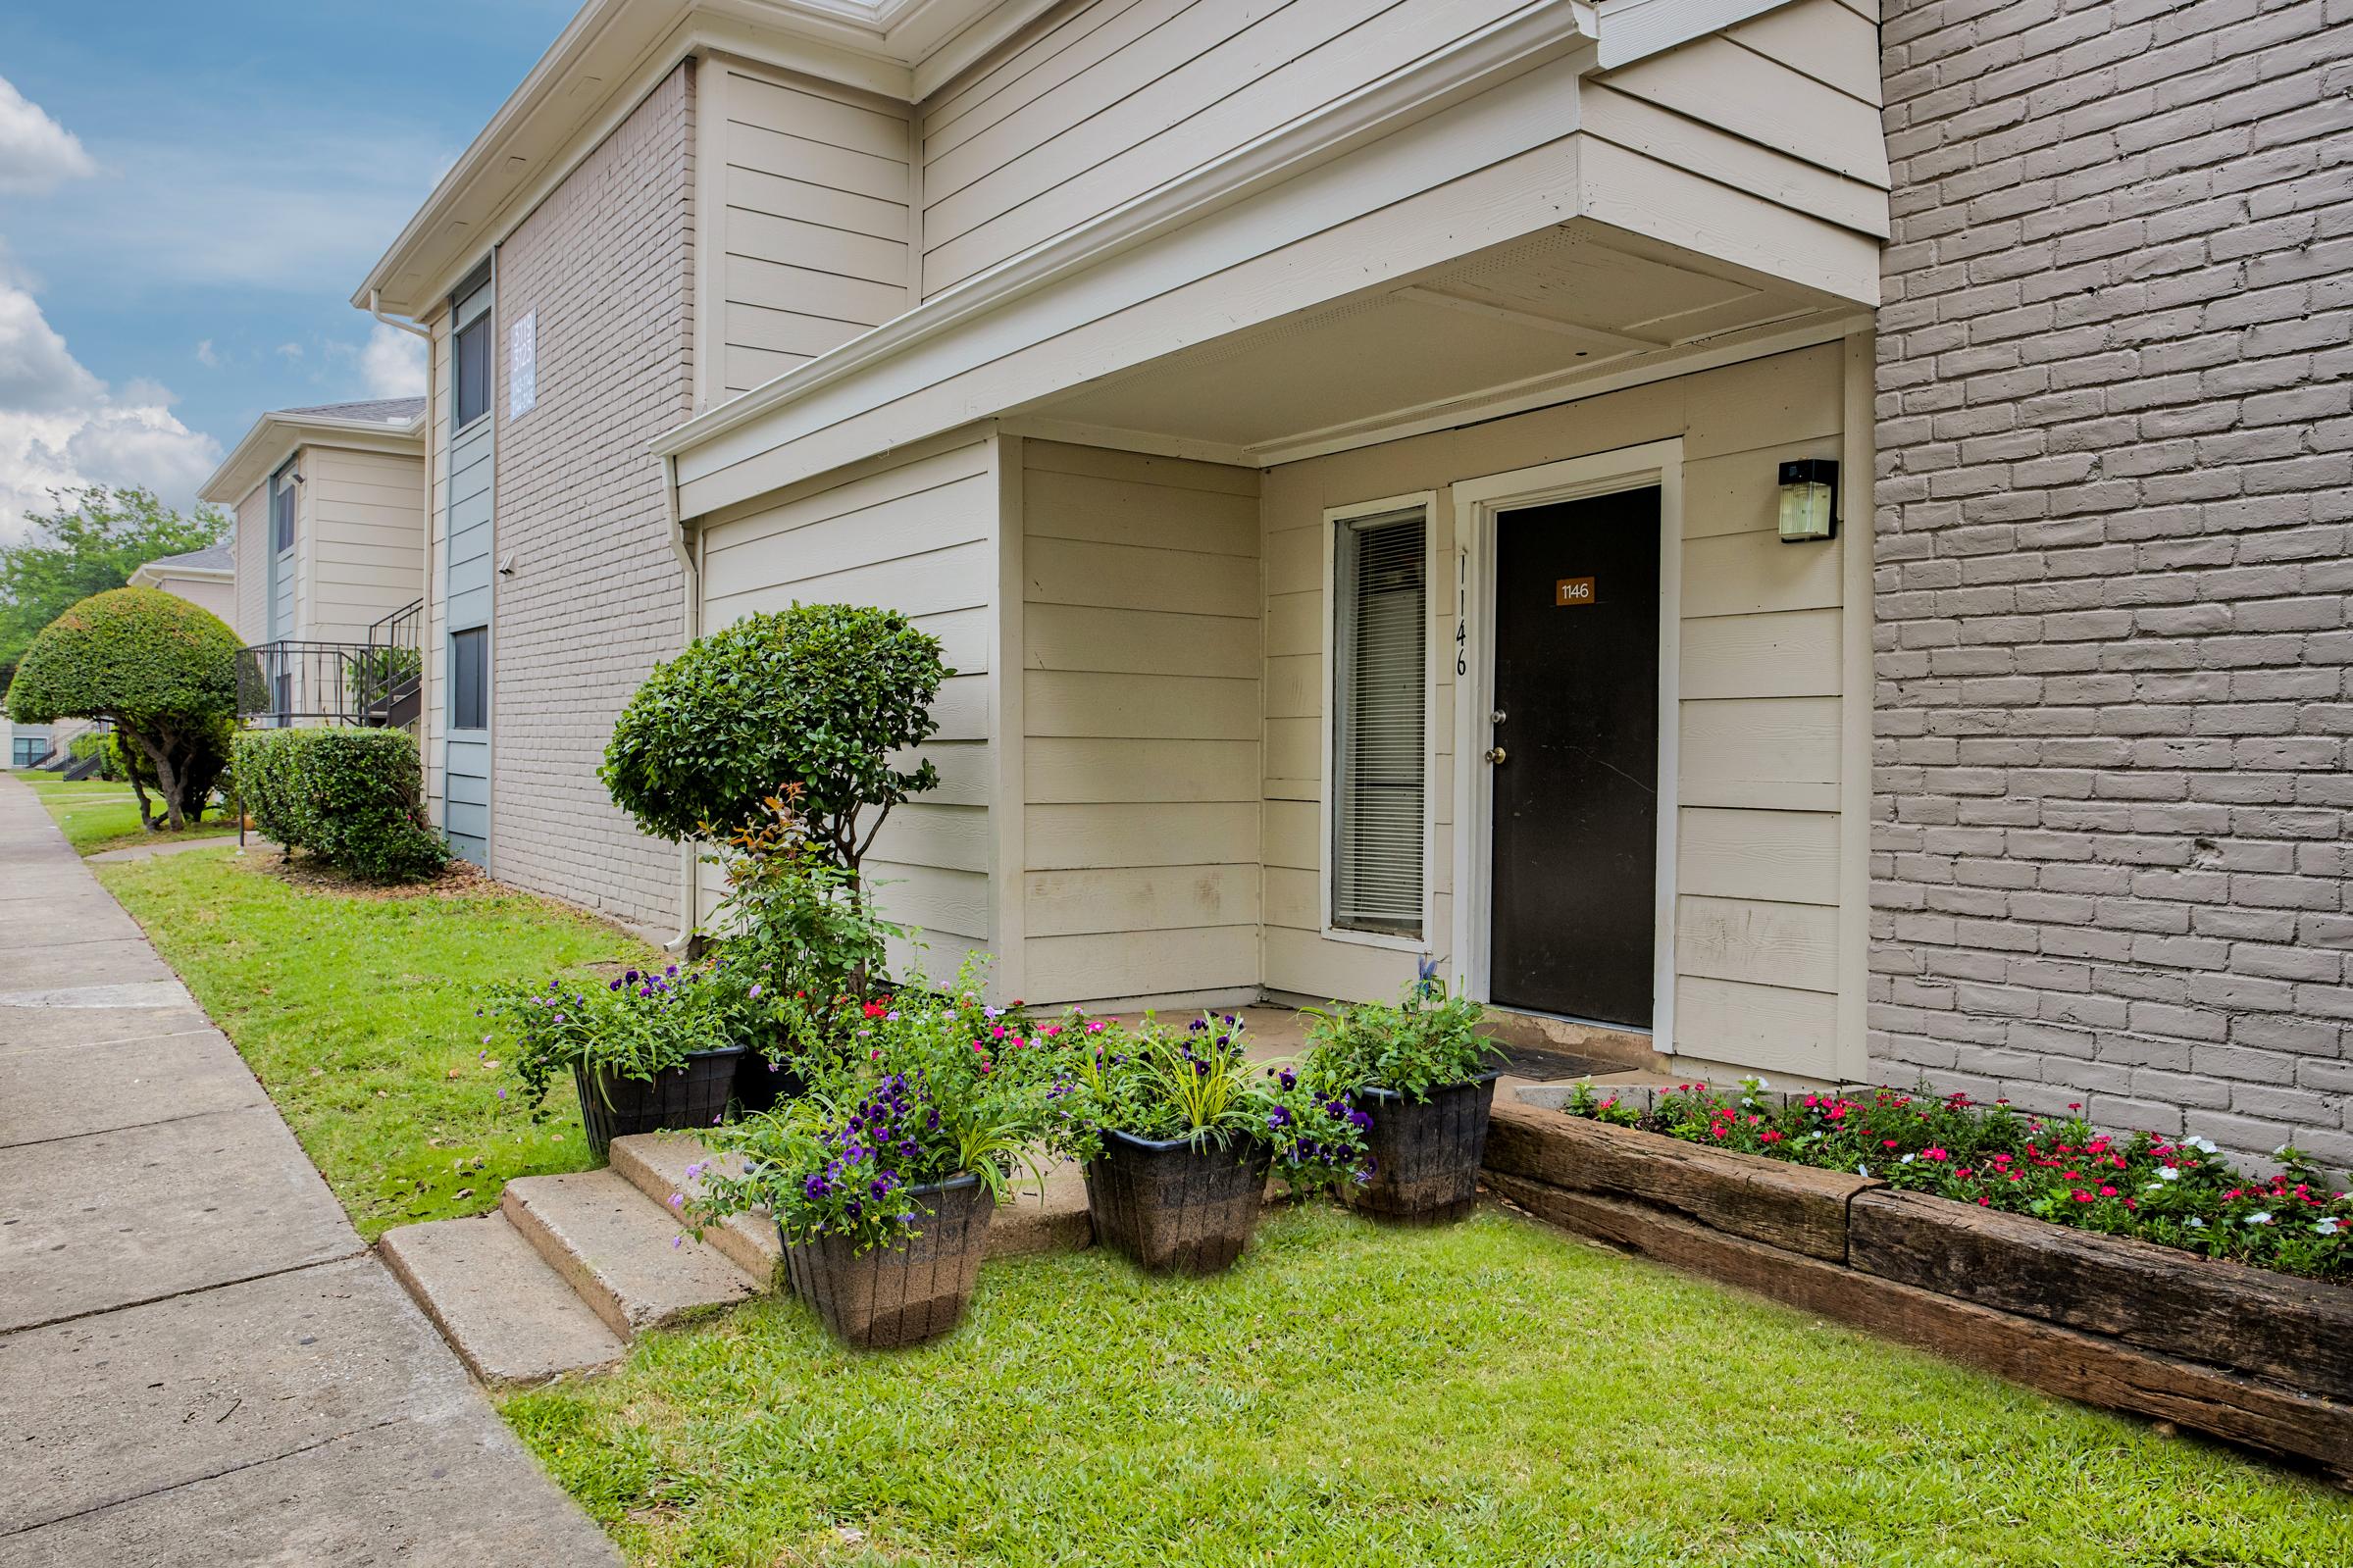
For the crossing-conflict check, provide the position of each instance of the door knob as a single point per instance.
(1495, 755)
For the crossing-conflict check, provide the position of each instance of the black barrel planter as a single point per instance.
(691, 1094)
(1176, 1207)
(1425, 1153)
(886, 1298)
(761, 1083)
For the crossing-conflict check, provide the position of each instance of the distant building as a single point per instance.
(206, 578)
(328, 558)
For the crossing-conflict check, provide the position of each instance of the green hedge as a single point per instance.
(352, 797)
(102, 746)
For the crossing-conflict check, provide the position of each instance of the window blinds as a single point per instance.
(1380, 595)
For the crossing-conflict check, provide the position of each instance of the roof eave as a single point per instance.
(898, 48)
(274, 435)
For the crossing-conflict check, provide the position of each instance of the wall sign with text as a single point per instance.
(1573, 592)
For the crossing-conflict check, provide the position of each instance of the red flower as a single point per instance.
(875, 1009)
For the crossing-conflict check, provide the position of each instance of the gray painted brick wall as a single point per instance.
(2115, 424)
(606, 263)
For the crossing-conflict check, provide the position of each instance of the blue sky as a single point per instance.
(189, 196)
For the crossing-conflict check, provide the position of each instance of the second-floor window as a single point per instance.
(282, 515)
(470, 396)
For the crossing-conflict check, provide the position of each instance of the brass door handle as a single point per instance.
(1495, 755)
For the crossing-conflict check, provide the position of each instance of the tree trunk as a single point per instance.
(146, 806)
(167, 777)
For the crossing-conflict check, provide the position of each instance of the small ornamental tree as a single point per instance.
(163, 669)
(818, 696)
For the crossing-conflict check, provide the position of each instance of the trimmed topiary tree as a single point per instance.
(353, 798)
(163, 670)
(818, 696)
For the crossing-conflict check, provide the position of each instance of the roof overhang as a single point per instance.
(612, 53)
(276, 437)
(146, 575)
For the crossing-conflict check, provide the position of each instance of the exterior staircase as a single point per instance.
(572, 1267)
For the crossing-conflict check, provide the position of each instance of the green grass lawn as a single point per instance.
(355, 1008)
(1492, 1393)
(96, 815)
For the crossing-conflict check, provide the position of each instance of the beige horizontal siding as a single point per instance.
(914, 536)
(1140, 704)
(1121, 98)
(811, 222)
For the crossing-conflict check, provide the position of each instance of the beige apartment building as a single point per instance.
(207, 578)
(328, 560)
(1381, 474)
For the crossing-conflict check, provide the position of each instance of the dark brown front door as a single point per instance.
(1576, 802)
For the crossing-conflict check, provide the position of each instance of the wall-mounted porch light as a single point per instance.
(1809, 500)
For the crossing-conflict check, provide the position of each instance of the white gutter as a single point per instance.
(376, 309)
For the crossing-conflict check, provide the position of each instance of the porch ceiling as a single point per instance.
(1524, 323)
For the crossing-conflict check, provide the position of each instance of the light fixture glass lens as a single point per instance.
(1806, 510)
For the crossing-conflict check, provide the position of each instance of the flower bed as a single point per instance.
(2176, 1194)
(2258, 1356)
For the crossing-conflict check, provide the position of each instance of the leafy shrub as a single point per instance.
(2174, 1193)
(352, 797)
(1429, 1039)
(811, 953)
(819, 695)
(163, 669)
(105, 748)
(1159, 1084)
(932, 1095)
(638, 1025)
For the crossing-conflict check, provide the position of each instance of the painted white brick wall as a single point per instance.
(606, 264)
(2116, 471)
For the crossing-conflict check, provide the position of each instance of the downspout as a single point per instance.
(689, 625)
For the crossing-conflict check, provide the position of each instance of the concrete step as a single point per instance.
(655, 1163)
(511, 1318)
(625, 1255)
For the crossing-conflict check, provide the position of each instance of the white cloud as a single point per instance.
(36, 153)
(289, 350)
(394, 362)
(206, 356)
(62, 428)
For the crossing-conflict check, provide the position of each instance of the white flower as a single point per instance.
(1907, 1159)
(2328, 1226)
(1761, 1082)
(2204, 1145)
(2196, 1224)
(1863, 1170)
(2166, 1173)
(2280, 1153)
(2262, 1217)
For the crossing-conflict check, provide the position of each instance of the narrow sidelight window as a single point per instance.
(470, 678)
(1381, 697)
(470, 398)
(281, 514)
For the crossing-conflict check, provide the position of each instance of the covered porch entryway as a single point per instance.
(1610, 779)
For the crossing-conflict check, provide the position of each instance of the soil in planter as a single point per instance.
(691, 1096)
(1425, 1153)
(1176, 1207)
(886, 1298)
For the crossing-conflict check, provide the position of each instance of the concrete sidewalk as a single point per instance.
(199, 1361)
